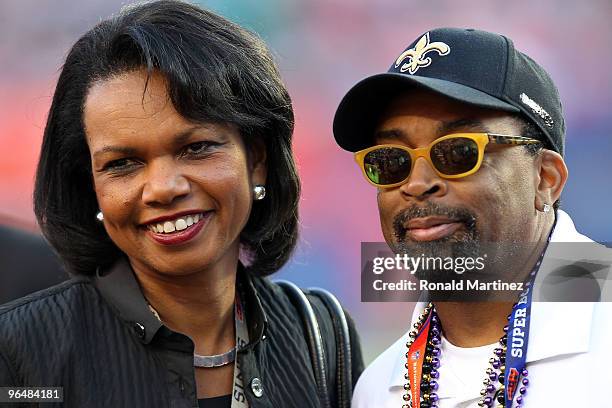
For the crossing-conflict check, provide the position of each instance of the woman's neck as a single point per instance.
(199, 305)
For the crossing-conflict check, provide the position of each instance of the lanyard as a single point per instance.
(518, 337)
(416, 358)
(518, 332)
(242, 339)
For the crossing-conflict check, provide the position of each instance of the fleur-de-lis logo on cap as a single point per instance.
(417, 57)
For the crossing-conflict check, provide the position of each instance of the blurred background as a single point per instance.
(323, 47)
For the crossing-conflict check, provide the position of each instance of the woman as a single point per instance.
(167, 185)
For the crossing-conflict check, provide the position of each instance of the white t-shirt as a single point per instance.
(462, 371)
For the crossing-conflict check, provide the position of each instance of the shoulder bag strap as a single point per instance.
(313, 337)
(343, 346)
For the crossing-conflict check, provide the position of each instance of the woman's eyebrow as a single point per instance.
(182, 137)
(128, 151)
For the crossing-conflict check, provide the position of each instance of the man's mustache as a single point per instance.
(457, 214)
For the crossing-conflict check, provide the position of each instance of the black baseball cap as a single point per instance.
(471, 66)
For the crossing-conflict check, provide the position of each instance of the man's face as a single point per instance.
(495, 204)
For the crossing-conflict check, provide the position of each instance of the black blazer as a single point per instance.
(97, 338)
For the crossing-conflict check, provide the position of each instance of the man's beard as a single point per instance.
(463, 244)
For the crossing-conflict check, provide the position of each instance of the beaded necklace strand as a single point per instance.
(429, 379)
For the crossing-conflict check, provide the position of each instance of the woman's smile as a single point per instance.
(177, 230)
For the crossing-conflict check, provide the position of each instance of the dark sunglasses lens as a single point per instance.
(387, 165)
(455, 156)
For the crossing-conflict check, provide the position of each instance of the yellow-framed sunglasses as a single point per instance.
(451, 156)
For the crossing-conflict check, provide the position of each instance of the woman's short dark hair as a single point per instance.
(217, 72)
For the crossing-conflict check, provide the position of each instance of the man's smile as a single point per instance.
(433, 222)
(431, 228)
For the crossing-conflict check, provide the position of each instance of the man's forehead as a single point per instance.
(428, 114)
(397, 128)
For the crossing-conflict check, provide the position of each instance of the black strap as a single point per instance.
(344, 386)
(313, 337)
(343, 368)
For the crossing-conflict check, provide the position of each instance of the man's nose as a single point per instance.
(423, 182)
(164, 184)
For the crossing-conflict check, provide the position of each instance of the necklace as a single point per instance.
(490, 393)
(217, 360)
(200, 361)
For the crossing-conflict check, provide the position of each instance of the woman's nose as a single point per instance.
(164, 183)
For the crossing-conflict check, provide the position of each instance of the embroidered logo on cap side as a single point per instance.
(538, 110)
(416, 56)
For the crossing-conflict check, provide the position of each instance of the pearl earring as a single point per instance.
(260, 192)
(100, 216)
(546, 208)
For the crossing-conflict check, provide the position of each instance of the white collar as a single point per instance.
(560, 328)
(550, 335)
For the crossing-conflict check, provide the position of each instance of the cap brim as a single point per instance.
(360, 109)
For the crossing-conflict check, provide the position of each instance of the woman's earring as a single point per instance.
(260, 192)
(546, 208)
(100, 216)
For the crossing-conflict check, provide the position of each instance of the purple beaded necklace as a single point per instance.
(429, 384)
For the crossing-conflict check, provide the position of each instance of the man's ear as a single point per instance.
(258, 162)
(552, 178)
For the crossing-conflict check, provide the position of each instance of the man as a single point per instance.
(464, 139)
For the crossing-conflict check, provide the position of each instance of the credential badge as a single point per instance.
(416, 56)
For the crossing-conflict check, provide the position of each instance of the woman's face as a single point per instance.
(175, 194)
